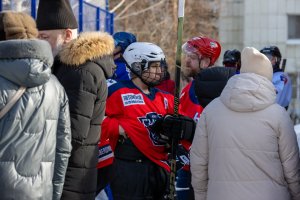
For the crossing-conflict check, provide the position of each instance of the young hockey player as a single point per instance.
(139, 124)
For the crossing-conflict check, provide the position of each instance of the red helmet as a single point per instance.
(203, 46)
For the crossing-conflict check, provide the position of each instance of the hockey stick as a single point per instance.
(283, 64)
(174, 142)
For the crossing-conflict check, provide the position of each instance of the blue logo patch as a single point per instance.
(149, 120)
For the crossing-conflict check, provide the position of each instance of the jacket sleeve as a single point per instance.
(113, 111)
(199, 159)
(284, 89)
(63, 148)
(289, 155)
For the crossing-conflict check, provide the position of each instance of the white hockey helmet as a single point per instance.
(139, 55)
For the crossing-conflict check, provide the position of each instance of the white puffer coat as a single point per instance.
(245, 147)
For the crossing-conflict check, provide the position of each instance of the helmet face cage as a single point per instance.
(189, 49)
(153, 78)
(139, 56)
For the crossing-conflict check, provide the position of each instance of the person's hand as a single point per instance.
(174, 126)
(179, 127)
(122, 132)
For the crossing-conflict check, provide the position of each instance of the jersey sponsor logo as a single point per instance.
(132, 99)
(110, 82)
(149, 120)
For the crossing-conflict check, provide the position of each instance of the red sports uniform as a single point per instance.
(127, 106)
(190, 107)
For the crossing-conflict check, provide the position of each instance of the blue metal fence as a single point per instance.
(89, 16)
(101, 19)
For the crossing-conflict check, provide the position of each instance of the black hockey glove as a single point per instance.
(182, 157)
(177, 127)
(157, 129)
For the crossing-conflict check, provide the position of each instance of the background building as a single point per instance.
(262, 22)
(259, 23)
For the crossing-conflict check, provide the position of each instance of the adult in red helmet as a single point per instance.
(200, 53)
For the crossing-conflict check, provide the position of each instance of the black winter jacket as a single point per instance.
(82, 67)
(210, 82)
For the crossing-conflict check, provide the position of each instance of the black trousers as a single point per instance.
(136, 177)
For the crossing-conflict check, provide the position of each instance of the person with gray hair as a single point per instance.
(245, 146)
(35, 136)
(82, 65)
(56, 23)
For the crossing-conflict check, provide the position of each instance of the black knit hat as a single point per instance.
(55, 14)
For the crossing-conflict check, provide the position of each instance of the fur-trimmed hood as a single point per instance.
(87, 47)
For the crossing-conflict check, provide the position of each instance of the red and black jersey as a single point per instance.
(129, 107)
(189, 105)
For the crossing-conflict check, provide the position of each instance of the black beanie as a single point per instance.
(55, 14)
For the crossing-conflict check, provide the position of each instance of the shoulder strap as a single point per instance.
(12, 101)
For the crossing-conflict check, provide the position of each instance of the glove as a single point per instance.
(177, 127)
(157, 135)
(182, 157)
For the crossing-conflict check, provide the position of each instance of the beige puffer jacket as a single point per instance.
(245, 147)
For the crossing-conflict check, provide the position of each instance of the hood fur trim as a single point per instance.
(88, 46)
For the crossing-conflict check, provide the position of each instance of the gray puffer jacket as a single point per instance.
(35, 136)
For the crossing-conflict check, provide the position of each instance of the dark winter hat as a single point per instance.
(17, 25)
(55, 14)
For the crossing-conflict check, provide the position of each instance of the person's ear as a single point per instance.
(205, 62)
(68, 35)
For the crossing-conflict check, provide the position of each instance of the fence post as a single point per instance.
(33, 8)
(80, 15)
(112, 16)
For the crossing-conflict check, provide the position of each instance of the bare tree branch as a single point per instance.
(125, 9)
(136, 13)
(156, 21)
(117, 6)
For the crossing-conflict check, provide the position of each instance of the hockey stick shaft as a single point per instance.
(174, 142)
